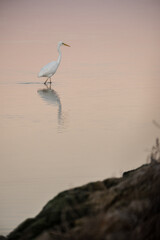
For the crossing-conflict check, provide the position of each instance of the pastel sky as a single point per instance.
(107, 86)
(98, 30)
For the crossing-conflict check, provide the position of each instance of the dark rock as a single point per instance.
(2, 238)
(114, 209)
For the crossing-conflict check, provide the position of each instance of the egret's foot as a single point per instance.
(46, 81)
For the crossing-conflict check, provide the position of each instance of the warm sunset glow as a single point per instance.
(95, 120)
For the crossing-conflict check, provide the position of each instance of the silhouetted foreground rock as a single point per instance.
(126, 208)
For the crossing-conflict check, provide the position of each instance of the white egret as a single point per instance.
(50, 69)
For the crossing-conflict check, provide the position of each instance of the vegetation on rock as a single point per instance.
(114, 209)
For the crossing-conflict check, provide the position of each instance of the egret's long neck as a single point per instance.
(60, 55)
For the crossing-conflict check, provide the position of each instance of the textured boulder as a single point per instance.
(2, 238)
(114, 209)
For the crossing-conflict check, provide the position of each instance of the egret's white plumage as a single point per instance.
(50, 69)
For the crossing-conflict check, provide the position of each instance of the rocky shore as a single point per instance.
(125, 208)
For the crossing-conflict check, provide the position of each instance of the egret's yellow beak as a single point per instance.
(66, 44)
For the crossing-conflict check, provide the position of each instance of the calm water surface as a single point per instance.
(96, 119)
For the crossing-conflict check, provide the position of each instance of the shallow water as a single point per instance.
(96, 119)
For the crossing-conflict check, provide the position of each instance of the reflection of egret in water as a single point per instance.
(51, 97)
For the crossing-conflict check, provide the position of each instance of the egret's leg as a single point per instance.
(50, 80)
(46, 81)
